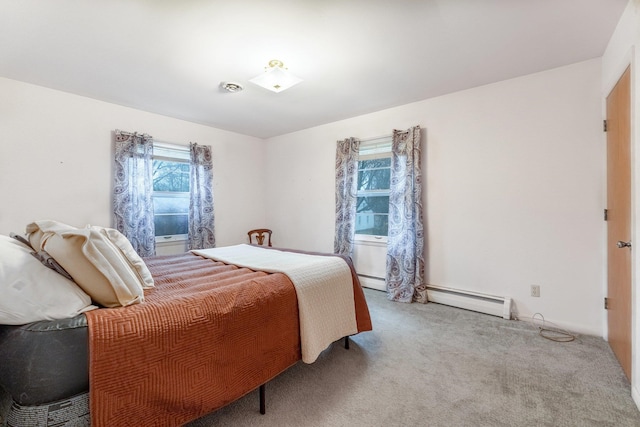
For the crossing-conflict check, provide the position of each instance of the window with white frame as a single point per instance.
(170, 191)
(374, 179)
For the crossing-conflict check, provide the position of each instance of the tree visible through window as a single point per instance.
(171, 191)
(372, 206)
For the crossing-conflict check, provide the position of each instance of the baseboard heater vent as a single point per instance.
(373, 282)
(483, 303)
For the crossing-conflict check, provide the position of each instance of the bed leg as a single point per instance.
(263, 409)
(346, 342)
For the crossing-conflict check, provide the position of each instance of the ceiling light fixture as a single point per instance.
(231, 86)
(276, 77)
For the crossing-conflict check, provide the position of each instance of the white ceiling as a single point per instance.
(355, 56)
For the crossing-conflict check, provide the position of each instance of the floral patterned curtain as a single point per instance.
(405, 244)
(346, 189)
(201, 228)
(132, 191)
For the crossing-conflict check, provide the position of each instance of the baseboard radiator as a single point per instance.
(483, 303)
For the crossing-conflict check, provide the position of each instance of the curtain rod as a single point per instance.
(154, 140)
(375, 138)
(170, 143)
(132, 134)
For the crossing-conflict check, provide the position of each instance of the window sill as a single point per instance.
(171, 239)
(365, 239)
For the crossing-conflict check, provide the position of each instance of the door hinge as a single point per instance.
(604, 125)
(606, 214)
(606, 303)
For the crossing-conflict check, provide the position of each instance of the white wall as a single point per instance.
(621, 52)
(56, 152)
(514, 189)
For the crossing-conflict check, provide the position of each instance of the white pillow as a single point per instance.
(32, 292)
(100, 260)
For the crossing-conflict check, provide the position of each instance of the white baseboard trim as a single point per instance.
(373, 282)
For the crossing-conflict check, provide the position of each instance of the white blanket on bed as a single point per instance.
(323, 285)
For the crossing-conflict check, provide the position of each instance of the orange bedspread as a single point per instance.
(205, 336)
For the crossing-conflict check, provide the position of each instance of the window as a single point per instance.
(374, 179)
(170, 191)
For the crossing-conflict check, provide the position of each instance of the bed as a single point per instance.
(209, 332)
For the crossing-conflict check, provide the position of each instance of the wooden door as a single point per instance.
(619, 220)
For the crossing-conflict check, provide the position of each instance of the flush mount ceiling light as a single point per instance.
(276, 77)
(231, 86)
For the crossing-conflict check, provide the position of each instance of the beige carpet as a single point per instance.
(432, 365)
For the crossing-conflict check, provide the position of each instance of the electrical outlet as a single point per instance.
(535, 290)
